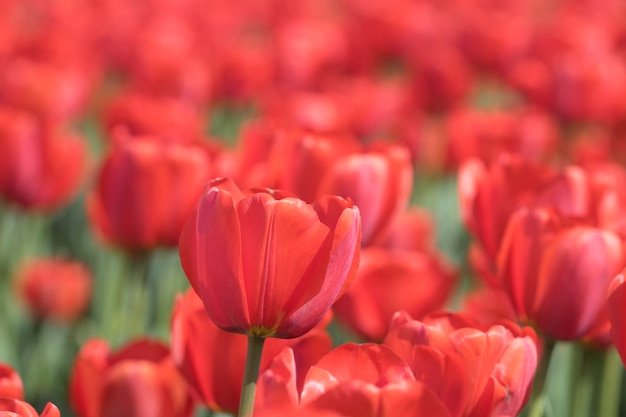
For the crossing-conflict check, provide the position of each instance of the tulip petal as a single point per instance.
(577, 267)
(214, 232)
(284, 255)
(344, 220)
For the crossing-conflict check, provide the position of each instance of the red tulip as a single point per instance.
(57, 289)
(442, 77)
(379, 181)
(486, 135)
(40, 168)
(557, 274)
(389, 281)
(368, 381)
(265, 264)
(617, 314)
(167, 62)
(310, 157)
(10, 407)
(52, 91)
(140, 380)
(212, 360)
(164, 118)
(489, 196)
(10, 383)
(413, 230)
(474, 372)
(489, 306)
(146, 190)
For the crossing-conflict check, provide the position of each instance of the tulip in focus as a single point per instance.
(139, 380)
(266, 264)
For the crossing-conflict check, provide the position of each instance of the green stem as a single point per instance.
(538, 399)
(250, 375)
(586, 387)
(610, 389)
(544, 365)
(142, 303)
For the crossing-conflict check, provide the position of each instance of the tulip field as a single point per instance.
(335, 208)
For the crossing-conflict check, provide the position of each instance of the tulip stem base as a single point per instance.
(250, 375)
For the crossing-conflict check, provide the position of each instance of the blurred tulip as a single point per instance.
(139, 380)
(310, 158)
(164, 118)
(10, 407)
(489, 196)
(55, 289)
(557, 274)
(167, 62)
(146, 190)
(377, 177)
(389, 281)
(588, 86)
(442, 78)
(256, 141)
(617, 314)
(212, 360)
(413, 230)
(379, 181)
(474, 372)
(488, 306)
(40, 167)
(368, 381)
(486, 135)
(10, 383)
(266, 264)
(53, 92)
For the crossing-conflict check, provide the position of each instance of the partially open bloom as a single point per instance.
(266, 264)
(139, 380)
(56, 289)
(557, 274)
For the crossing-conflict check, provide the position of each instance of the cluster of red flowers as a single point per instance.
(307, 217)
